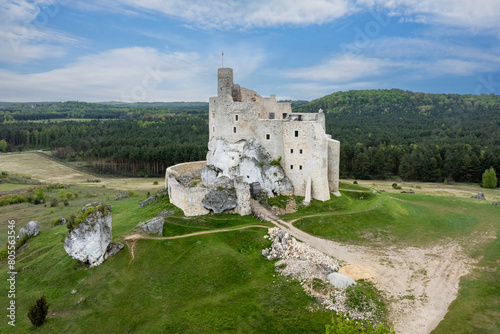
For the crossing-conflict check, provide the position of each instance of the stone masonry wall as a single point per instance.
(188, 199)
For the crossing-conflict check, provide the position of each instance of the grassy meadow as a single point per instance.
(389, 219)
(220, 283)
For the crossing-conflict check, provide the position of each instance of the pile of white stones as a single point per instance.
(285, 246)
(304, 263)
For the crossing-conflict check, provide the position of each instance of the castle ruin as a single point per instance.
(256, 144)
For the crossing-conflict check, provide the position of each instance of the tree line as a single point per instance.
(383, 133)
(414, 136)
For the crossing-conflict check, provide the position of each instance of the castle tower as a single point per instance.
(225, 79)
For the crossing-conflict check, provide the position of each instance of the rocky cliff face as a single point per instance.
(231, 168)
(88, 242)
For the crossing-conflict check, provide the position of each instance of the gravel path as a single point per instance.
(420, 283)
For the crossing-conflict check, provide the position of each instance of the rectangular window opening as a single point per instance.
(271, 115)
(291, 166)
(300, 151)
(268, 136)
(234, 129)
(291, 150)
(236, 118)
(285, 115)
(300, 167)
(213, 115)
(296, 133)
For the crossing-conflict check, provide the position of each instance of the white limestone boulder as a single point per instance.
(220, 200)
(340, 281)
(32, 228)
(152, 226)
(88, 242)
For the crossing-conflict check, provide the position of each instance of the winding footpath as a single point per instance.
(420, 283)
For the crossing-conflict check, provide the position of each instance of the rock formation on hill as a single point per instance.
(88, 241)
(240, 166)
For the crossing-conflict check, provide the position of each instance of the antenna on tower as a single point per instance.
(222, 59)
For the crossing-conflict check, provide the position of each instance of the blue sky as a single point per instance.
(154, 50)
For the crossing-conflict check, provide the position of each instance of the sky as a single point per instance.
(169, 50)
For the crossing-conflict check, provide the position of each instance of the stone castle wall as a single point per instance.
(187, 198)
(238, 113)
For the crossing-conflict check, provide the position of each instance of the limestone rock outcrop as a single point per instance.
(32, 228)
(480, 196)
(220, 200)
(340, 281)
(21, 233)
(113, 248)
(232, 168)
(88, 241)
(151, 226)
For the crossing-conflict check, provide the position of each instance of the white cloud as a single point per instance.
(479, 15)
(130, 75)
(435, 57)
(226, 14)
(23, 32)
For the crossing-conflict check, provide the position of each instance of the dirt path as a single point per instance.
(419, 283)
(336, 213)
(140, 236)
(131, 239)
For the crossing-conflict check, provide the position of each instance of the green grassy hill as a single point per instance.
(220, 283)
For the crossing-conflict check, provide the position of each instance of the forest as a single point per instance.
(384, 134)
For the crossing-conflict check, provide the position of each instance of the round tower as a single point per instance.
(225, 76)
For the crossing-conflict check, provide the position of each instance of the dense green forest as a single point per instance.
(383, 133)
(416, 136)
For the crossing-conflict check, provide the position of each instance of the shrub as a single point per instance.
(38, 311)
(155, 183)
(355, 182)
(276, 162)
(54, 202)
(489, 178)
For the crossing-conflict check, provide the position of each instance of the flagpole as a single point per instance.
(222, 59)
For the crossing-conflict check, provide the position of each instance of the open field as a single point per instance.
(417, 248)
(213, 283)
(41, 167)
(431, 188)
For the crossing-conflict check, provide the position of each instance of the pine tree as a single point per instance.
(38, 311)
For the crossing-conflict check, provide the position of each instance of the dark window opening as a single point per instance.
(296, 133)
(268, 136)
(236, 118)
(300, 167)
(291, 150)
(234, 130)
(285, 115)
(300, 151)
(271, 115)
(291, 166)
